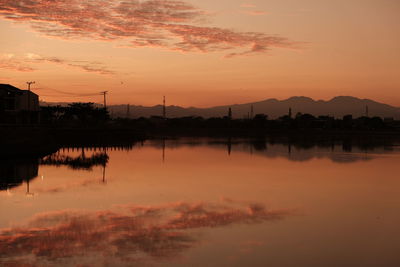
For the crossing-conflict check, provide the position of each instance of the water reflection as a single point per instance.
(13, 172)
(77, 219)
(126, 235)
(81, 162)
(339, 151)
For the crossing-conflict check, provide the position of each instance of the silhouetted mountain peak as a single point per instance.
(274, 108)
(346, 99)
(302, 99)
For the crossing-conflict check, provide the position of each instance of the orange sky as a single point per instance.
(201, 53)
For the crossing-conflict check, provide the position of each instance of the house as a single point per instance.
(18, 106)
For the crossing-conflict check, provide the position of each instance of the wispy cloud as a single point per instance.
(254, 12)
(9, 62)
(24, 63)
(169, 24)
(130, 234)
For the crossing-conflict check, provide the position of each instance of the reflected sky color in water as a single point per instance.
(205, 203)
(127, 235)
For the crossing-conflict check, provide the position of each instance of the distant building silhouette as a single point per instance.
(18, 106)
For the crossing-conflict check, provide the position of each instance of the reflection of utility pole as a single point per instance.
(104, 166)
(229, 146)
(104, 173)
(82, 152)
(27, 189)
(163, 150)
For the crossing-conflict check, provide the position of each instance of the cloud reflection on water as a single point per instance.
(127, 234)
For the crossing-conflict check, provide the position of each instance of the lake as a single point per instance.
(203, 202)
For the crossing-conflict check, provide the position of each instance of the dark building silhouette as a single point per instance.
(18, 106)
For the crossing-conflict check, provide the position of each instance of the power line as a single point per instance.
(69, 93)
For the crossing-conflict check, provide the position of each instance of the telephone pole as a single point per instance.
(29, 85)
(29, 103)
(128, 113)
(104, 93)
(164, 109)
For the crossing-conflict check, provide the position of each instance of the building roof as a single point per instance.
(9, 87)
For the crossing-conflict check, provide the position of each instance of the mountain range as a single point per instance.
(337, 107)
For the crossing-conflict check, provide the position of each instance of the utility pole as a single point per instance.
(164, 109)
(251, 112)
(29, 85)
(366, 111)
(29, 101)
(128, 113)
(104, 93)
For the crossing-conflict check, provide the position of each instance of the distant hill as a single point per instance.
(337, 107)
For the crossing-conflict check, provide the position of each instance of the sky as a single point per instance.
(201, 53)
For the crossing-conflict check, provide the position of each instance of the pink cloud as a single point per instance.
(9, 62)
(169, 24)
(24, 64)
(255, 13)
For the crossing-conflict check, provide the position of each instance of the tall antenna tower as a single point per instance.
(164, 109)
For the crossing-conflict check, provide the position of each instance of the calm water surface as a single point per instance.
(202, 203)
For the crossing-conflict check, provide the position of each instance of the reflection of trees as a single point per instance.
(81, 162)
(294, 148)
